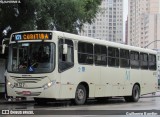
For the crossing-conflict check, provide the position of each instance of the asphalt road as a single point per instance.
(116, 106)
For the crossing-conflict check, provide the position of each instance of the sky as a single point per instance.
(125, 13)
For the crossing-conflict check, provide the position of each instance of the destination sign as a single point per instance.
(32, 36)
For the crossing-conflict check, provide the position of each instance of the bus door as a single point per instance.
(66, 68)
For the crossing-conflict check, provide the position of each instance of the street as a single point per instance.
(114, 106)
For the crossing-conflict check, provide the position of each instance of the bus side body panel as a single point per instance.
(71, 78)
(149, 81)
(68, 83)
(119, 81)
(133, 76)
(112, 78)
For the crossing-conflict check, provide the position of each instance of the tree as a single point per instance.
(64, 15)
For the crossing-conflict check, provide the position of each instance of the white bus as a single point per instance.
(55, 65)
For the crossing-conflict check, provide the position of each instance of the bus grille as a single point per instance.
(28, 79)
(32, 94)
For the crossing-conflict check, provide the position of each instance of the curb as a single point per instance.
(150, 96)
(16, 102)
(157, 94)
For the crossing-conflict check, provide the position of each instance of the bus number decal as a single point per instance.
(127, 75)
(81, 69)
(154, 73)
(19, 85)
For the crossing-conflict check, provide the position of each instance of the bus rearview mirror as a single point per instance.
(65, 48)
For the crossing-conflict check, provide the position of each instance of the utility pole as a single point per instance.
(151, 43)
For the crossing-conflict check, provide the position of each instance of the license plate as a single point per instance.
(26, 93)
(19, 85)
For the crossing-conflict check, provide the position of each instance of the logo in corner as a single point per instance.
(5, 112)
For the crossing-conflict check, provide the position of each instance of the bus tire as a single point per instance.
(80, 95)
(135, 95)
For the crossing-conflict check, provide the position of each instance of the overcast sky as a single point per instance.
(125, 13)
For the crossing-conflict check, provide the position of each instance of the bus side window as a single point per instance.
(152, 62)
(100, 55)
(85, 53)
(144, 61)
(66, 61)
(124, 58)
(113, 57)
(134, 60)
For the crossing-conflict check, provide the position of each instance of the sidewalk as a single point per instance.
(157, 94)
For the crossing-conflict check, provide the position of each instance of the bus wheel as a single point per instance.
(135, 95)
(80, 96)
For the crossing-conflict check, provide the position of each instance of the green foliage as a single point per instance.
(46, 14)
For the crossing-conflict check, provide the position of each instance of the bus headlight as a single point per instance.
(46, 86)
(11, 85)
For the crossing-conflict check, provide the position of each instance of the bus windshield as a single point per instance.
(33, 57)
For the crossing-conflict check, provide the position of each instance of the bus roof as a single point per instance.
(104, 42)
(95, 41)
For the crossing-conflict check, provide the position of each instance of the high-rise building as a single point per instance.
(126, 31)
(108, 24)
(144, 23)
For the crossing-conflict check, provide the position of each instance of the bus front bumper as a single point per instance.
(51, 92)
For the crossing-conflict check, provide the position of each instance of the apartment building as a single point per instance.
(108, 24)
(144, 23)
